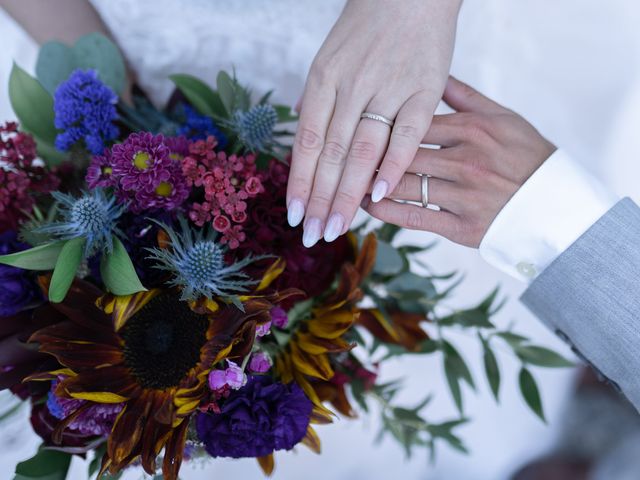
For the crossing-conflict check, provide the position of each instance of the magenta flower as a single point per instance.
(263, 329)
(232, 377)
(99, 173)
(279, 317)
(259, 363)
(148, 174)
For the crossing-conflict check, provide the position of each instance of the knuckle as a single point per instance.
(405, 132)
(363, 150)
(403, 185)
(413, 220)
(333, 153)
(320, 198)
(474, 168)
(308, 139)
(347, 198)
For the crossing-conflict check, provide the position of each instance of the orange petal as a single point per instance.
(313, 365)
(316, 345)
(267, 464)
(124, 307)
(273, 272)
(312, 440)
(332, 325)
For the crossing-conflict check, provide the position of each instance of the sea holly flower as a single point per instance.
(197, 264)
(93, 216)
(85, 109)
(255, 126)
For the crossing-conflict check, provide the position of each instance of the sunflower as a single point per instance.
(151, 353)
(306, 358)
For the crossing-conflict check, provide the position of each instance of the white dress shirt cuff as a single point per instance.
(554, 207)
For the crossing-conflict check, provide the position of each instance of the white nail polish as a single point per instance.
(334, 227)
(379, 191)
(312, 232)
(295, 212)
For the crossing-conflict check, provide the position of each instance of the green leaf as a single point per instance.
(512, 339)
(285, 114)
(32, 104)
(55, 63)
(409, 281)
(49, 152)
(43, 257)
(541, 356)
(118, 272)
(45, 465)
(455, 370)
(227, 91)
(66, 267)
(97, 52)
(491, 368)
(388, 260)
(530, 392)
(468, 318)
(200, 95)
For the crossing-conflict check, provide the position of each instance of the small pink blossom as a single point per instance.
(264, 329)
(232, 377)
(279, 317)
(259, 363)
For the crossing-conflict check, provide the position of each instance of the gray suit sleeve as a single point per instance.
(590, 296)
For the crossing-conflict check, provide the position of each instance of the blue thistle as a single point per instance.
(92, 216)
(255, 126)
(198, 265)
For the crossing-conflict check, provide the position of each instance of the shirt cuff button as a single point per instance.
(527, 270)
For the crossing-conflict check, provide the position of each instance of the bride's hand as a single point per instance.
(488, 153)
(386, 57)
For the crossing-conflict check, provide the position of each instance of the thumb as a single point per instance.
(463, 98)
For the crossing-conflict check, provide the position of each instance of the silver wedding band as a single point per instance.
(377, 118)
(424, 189)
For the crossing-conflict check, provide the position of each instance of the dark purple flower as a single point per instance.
(256, 420)
(147, 175)
(100, 170)
(85, 109)
(18, 288)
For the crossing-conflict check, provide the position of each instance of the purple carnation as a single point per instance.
(96, 420)
(147, 173)
(256, 420)
(85, 110)
(18, 288)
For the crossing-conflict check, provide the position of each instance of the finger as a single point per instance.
(315, 114)
(437, 163)
(331, 164)
(409, 129)
(366, 151)
(441, 192)
(444, 130)
(463, 98)
(414, 217)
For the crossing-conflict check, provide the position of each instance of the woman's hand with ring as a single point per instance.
(487, 154)
(383, 57)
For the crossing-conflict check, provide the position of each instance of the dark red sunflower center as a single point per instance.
(162, 341)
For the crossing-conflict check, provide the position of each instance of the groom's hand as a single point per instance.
(487, 154)
(384, 57)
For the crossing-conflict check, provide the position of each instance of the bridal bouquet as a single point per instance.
(156, 307)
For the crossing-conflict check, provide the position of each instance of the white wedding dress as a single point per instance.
(570, 67)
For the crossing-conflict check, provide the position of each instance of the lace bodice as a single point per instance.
(269, 43)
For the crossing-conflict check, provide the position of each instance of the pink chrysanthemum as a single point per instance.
(147, 172)
(226, 183)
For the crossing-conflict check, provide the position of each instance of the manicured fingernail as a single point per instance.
(295, 212)
(334, 227)
(379, 191)
(312, 232)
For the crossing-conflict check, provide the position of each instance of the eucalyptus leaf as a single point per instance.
(530, 392)
(285, 114)
(226, 90)
(388, 260)
(200, 95)
(541, 356)
(491, 368)
(454, 383)
(45, 465)
(513, 339)
(118, 273)
(66, 267)
(95, 51)
(43, 257)
(32, 104)
(49, 152)
(55, 63)
(409, 281)
(468, 318)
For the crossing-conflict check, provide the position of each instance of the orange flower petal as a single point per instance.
(267, 464)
